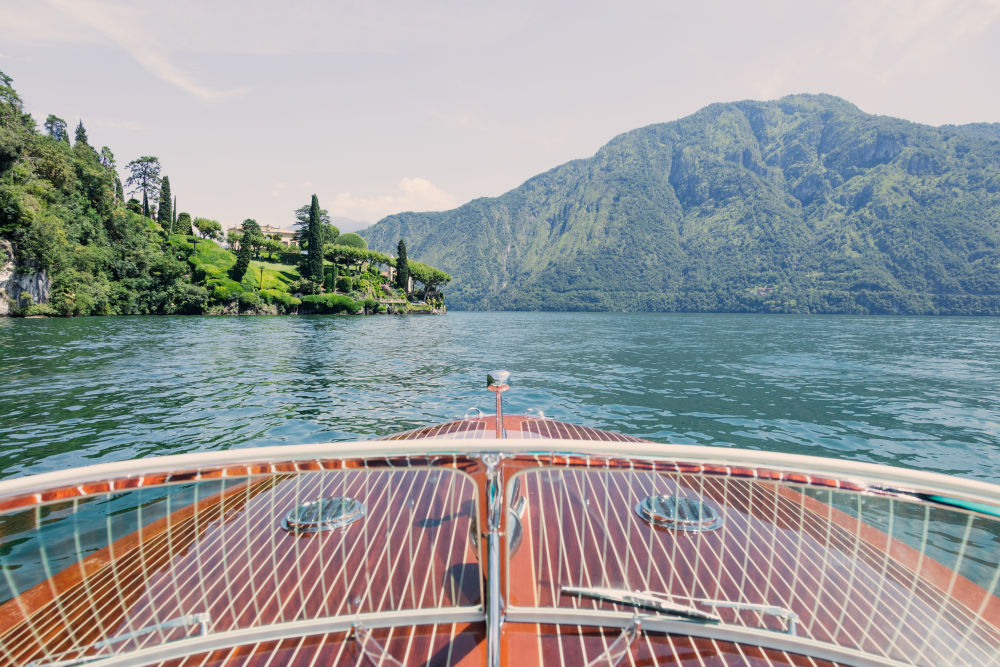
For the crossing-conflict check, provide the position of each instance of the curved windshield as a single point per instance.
(888, 576)
(122, 571)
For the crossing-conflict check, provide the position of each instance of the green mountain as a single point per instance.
(804, 204)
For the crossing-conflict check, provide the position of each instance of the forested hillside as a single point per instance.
(70, 243)
(804, 204)
(63, 212)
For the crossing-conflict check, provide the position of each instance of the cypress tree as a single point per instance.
(81, 134)
(402, 267)
(182, 225)
(145, 204)
(251, 233)
(119, 192)
(164, 216)
(174, 221)
(242, 262)
(314, 264)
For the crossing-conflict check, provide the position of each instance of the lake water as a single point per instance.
(917, 392)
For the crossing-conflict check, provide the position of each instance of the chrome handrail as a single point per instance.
(926, 486)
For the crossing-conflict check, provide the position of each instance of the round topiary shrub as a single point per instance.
(353, 240)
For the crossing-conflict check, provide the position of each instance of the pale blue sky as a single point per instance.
(380, 107)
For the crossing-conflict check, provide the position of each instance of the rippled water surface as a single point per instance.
(918, 392)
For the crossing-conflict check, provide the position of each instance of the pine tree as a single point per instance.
(164, 216)
(81, 134)
(107, 158)
(314, 265)
(402, 267)
(56, 128)
(145, 177)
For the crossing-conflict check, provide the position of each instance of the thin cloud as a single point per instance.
(412, 194)
(119, 125)
(915, 35)
(118, 25)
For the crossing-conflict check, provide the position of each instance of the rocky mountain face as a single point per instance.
(804, 204)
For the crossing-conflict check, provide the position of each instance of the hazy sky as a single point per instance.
(381, 107)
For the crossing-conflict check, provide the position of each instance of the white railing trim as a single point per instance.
(722, 631)
(855, 471)
(257, 634)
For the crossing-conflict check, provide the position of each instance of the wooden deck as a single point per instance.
(235, 563)
(228, 559)
(775, 547)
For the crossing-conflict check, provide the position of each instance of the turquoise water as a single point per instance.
(917, 392)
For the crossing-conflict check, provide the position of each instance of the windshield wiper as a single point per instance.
(643, 599)
(661, 602)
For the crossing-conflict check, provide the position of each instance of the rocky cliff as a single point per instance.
(15, 285)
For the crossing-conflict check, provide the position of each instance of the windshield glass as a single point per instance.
(875, 573)
(120, 571)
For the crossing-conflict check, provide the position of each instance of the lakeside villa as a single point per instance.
(286, 236)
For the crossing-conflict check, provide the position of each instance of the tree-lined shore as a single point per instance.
(100, 246)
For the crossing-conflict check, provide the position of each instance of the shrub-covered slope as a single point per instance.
(804, 204)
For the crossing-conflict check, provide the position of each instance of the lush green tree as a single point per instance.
(330, 278)
(233, 238)
(330, 232)
(134, 205)
(314, 264)
(250, 226)
(63, 213)
(428, 275)
(164, 216)
(353, 240)
(242, 263)
(175, 210)
(56, 128)
(81, 134)
(210, 229)
(16, 127)
(183, 224)
(402, 268)
(344, 254)
(107, 158)
(253, 238)
(357, 258)
(272, 246)
(243, 256)
(144, 177)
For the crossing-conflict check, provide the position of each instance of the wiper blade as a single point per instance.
(643, 599)
(662, 602)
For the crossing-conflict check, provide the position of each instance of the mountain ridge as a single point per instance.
(802, 204)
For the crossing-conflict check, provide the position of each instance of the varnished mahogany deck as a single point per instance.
(412, 551)
(775, 547)
(848, 582)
